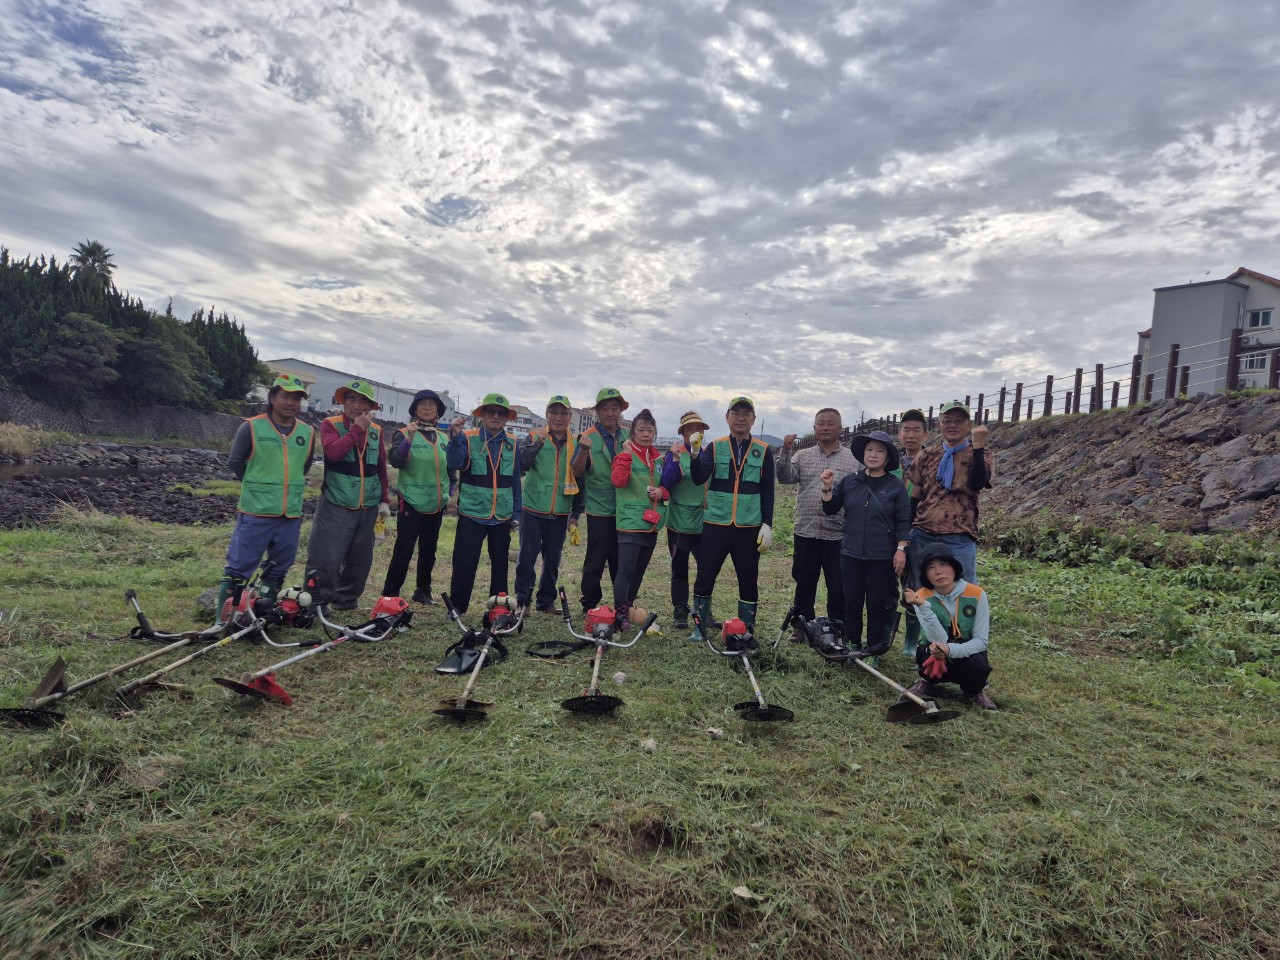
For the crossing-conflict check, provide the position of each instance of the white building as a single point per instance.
(324, 381)
(1200, 318)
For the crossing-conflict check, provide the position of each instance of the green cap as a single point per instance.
(559, 400)
(362, 387)
(742, 402)
(495, 400)
(954, 405)
(610, 393)
(289, 384)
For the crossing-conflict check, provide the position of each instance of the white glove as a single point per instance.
(384, 510)
(695, 442)
(764, 538)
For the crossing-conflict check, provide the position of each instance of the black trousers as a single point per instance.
(467, 543)
(810, 558)
(633, 560)
(413, 529)
(869, 585)
(720, 543)
(969, 672)
(602, 551)
(681, 546)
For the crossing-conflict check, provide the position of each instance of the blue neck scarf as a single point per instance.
(947, 466)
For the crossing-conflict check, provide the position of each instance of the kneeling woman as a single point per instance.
(642, 510)
(877, 520)
(955, 620)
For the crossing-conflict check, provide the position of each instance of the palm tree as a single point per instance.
(92, 258)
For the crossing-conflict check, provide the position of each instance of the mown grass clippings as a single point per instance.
(1120, 803)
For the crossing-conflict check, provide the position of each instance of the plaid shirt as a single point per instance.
(805, 467)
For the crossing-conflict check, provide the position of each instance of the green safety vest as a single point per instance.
(966, 611)
(352, 482)
(688, 499)
(424, 479)
(486, 494)
(733, 492)
(543, 490)
(275, 472)
(596, 482)
(633, 499)
(901, 474)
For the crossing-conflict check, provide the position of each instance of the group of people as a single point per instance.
(870, 517)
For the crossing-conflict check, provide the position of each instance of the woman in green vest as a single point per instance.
(418, 452)
(684, 512)
(270, 455)
(641, 510)
(955, 619)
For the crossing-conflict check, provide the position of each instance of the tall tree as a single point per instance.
(93, 261)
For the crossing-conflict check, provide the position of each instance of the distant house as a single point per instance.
(323, 382)
(526, 422)
(1200, 317)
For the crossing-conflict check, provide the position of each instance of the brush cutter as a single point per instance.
(253, 627)
(53, 686)
(387, 619)
(824, 637)
(500, 620)
(739, 642)
(602, 627)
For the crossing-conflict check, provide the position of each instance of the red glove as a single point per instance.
(935, 668)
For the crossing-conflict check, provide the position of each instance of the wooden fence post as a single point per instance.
(1075, 407)
(1115, 394)
(968, 404)
(1184, 376)
(1171, 371)
(1135, 375)
(1048, 396)
(1066, 403)
(1233, 361)
(1000, 416)
(1148, 387)
(930, 423)
(978, 418)
(1017, 402)
(1097, 382)
(1031, 404)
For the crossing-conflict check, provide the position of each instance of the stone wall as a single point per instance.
(103, 419)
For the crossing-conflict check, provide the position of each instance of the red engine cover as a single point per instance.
(733, 627)
(598, 616)
(389, 607)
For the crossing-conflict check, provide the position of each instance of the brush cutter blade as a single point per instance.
(262, 688)
(469, 705)
(590, 704)
(30, 718)
(904, 711)
(54, 681)
(462, 714)
(935, 716)
(767, 714)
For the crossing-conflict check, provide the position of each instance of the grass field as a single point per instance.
(1121, 804)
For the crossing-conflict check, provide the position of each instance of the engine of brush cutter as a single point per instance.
(501, 614)
(826, 636)
(601, 623)
(395, 609)
(291, 608)
(736, 637)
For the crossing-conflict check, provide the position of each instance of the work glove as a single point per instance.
(935, 668)
(764, 538)
(695, 442)
(575, 538)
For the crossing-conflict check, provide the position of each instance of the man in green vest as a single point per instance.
(270, 455)
(548, 493)
(593, 465)
(684, 511)
(418, 453)
(488, 497)
(738, 471)
(356, 493)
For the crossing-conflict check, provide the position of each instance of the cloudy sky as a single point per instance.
(864, 204)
